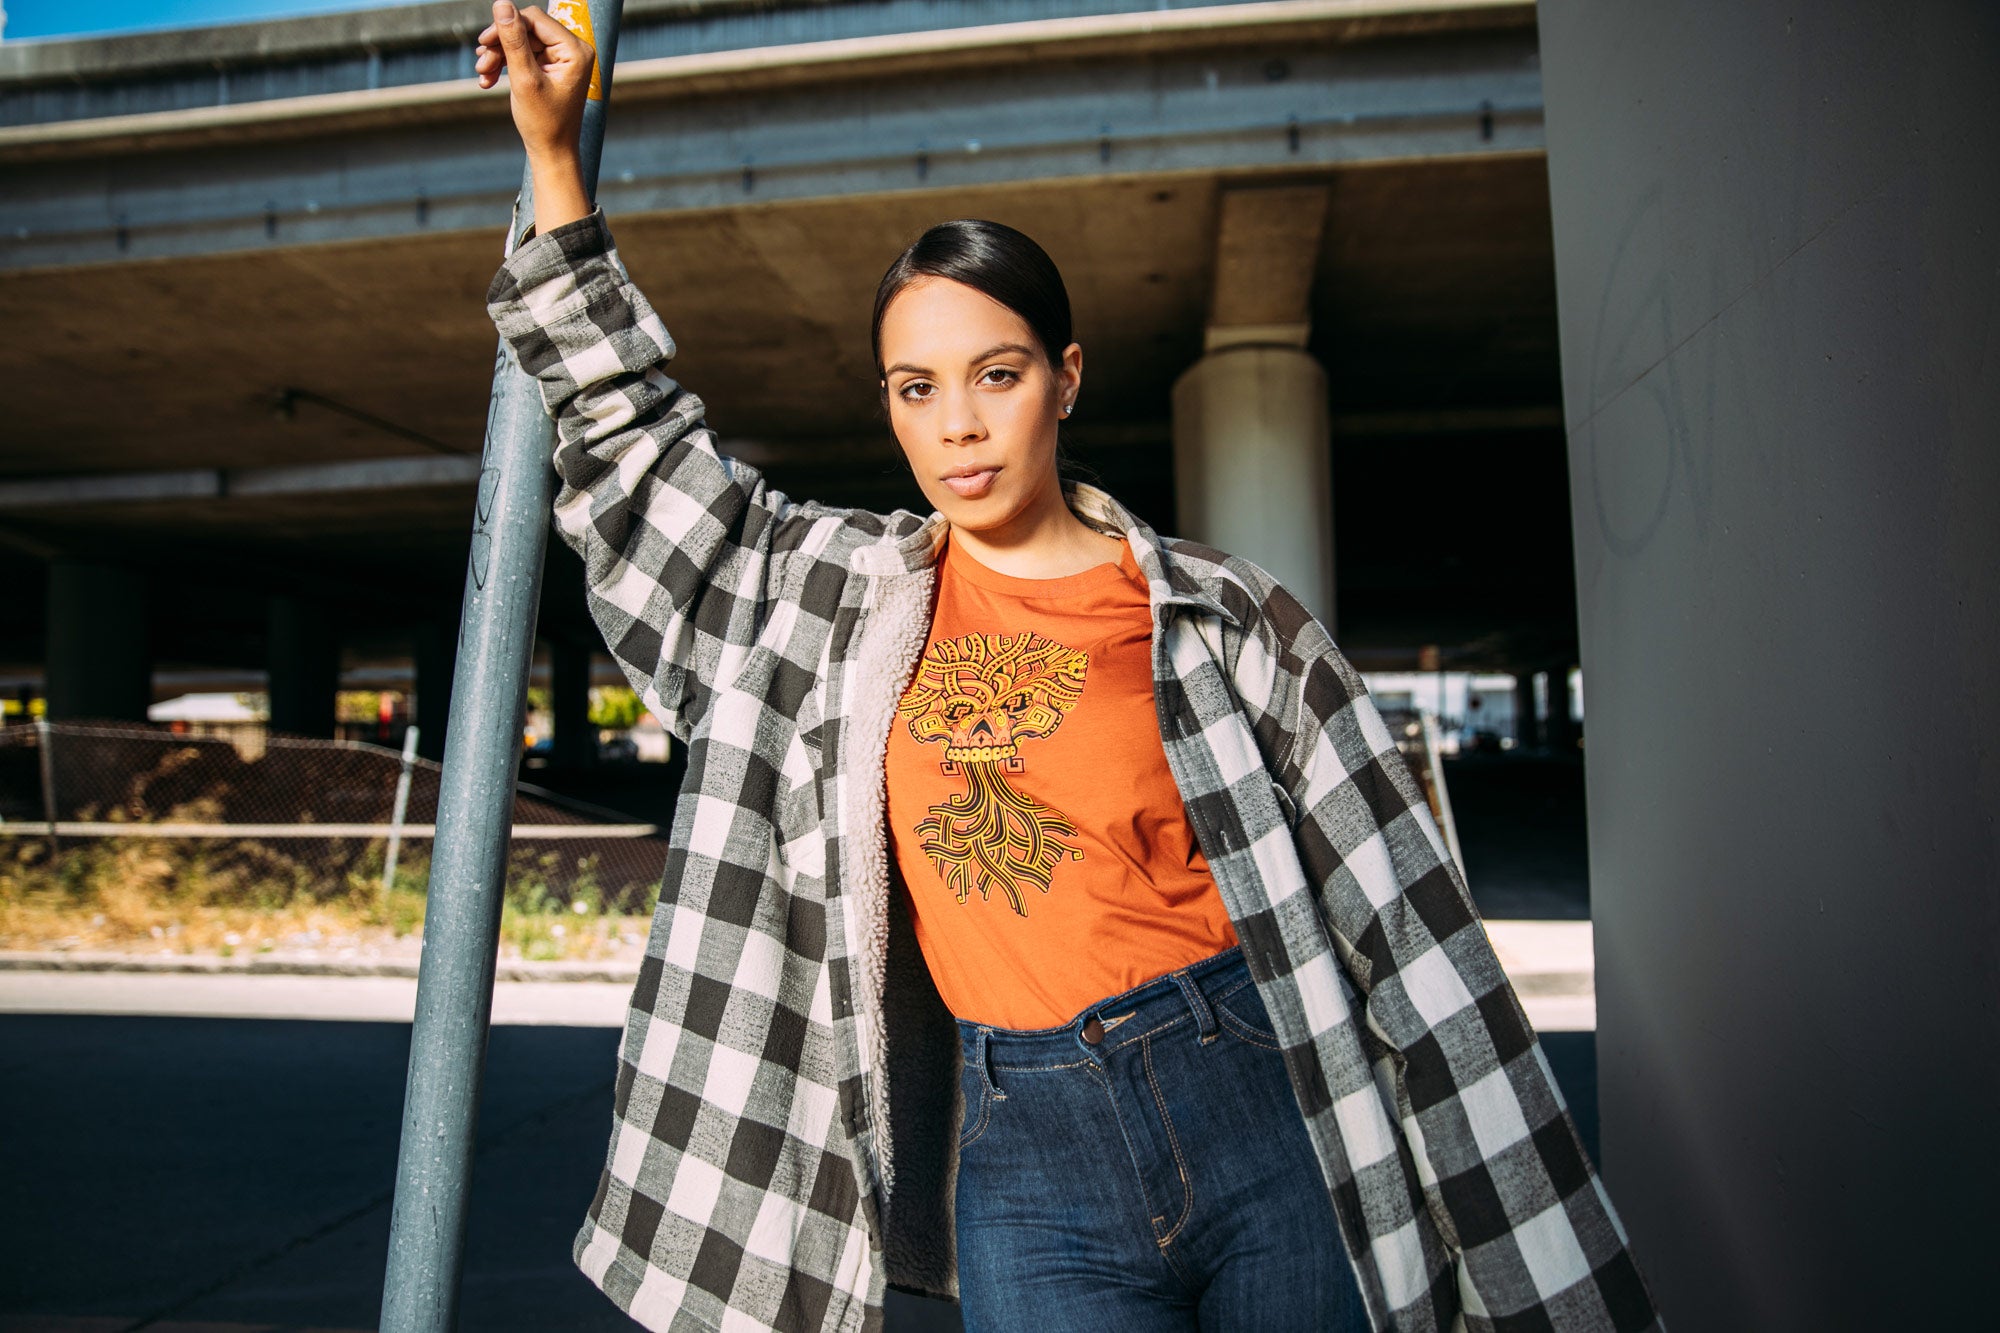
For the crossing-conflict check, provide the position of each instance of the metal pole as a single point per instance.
(396, 815)
(45, 741)
(475, 801)
(1436, 762)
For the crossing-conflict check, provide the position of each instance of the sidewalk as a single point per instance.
(1550, 963)
(276, 985)
(91, 1323)
(1553, 965)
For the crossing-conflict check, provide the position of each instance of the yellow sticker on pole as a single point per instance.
(575, 15)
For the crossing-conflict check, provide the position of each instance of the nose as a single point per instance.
(959, 423)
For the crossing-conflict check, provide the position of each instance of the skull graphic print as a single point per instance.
(982, 697)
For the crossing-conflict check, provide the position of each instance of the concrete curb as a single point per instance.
(293, 965)
(1553, 983)
(1535, 983)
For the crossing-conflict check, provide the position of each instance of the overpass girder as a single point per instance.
(1256, 109)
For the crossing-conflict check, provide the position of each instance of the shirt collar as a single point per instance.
(1168, 579)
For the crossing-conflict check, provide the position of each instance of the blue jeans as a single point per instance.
(1156, 1177)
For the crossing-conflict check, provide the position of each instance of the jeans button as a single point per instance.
(1093, 1031)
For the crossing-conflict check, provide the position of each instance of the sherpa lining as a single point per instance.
(890, 638)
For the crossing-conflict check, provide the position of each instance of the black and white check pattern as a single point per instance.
(750, 1181)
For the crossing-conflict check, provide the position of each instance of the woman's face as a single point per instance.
(974, 401)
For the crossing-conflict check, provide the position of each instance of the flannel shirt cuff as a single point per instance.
(553, 275)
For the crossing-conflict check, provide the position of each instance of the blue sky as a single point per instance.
(73, 18)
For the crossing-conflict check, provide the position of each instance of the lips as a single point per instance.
(972, 485)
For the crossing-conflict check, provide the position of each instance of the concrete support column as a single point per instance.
(1253, 469)
(302, 654)
(1526, 735)
(575, 741)
(436, 652)
(1782, 393)
(99, 645)
(1563, 731)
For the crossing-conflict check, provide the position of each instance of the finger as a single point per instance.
(552, 34)
(522, 66)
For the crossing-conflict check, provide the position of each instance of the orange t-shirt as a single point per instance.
(1039, 833)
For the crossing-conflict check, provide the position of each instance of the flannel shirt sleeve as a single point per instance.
(684, 550)
(1504, 1175)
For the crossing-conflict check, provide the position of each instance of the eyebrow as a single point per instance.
(986, 355)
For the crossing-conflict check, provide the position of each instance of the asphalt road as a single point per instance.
(163, 1174)
(175, 1171)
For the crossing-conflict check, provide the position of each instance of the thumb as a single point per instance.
(522, 67)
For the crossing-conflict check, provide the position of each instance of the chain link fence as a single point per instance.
(281, 816)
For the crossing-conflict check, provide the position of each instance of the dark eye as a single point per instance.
(908, 391)
(1010, 375)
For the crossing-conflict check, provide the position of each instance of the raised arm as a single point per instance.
(684, 551)
(548, 70)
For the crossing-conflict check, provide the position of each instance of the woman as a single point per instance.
(1098, 821)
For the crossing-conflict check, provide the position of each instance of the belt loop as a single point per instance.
(983, 1056)
(1204, 1017)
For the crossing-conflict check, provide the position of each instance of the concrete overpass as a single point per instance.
(243, 269)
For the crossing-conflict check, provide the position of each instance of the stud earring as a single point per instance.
(1067, 408)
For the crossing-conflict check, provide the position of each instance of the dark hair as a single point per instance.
(992, 258)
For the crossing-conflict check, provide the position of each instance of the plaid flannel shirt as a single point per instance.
(760, 1175)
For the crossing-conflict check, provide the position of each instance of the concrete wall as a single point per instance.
(1776, 231)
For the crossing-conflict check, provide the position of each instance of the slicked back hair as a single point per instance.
(992, 258)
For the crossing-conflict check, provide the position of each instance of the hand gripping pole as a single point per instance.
(496, 639)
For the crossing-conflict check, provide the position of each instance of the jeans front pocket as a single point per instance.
(1239, 1010)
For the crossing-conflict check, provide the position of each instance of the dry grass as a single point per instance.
(147, 895)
